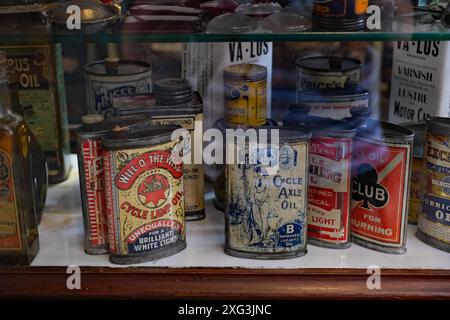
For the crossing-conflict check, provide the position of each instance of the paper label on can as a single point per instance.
(380, 191)
(420, 75)
(246, 102)
(37, 93)
(94, 179)
(102, 89)
(9, 220)
(329, 189)
(312, 80)
(145, 199)
(434, 219)
(338, 109)
(193, 175)
(267, 213)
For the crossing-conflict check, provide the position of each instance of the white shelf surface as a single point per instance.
(61, 243)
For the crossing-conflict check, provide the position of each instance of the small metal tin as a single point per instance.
(186, 110)
(329, 184)
(338, 15)
(144, 194)
(417, 169)
(92, 179)
(327, 72)
(111, 78)
(381, 175)
(265, 215)
(334, 103)
(434, 220)
(245, 94)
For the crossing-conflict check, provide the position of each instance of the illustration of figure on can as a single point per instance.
(266, 203)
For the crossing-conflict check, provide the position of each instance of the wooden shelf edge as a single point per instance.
(223, 283)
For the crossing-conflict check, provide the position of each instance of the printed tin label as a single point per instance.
(9, 220)
(266, 213)
(102, 89)
(312, 79)
(246, 102)
(329, 189)
(38, 98)
(337, 107)
(435, 217)
(92, 161)
(339, 8)
(380, 191)
(145, 202)
(193, 175)
(415, 190)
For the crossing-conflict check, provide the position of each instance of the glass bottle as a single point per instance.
(38, 162)
(19, 241)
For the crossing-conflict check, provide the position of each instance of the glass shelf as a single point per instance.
(400, 31)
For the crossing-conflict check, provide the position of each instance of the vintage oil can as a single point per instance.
(265, 215)
(144, 194)
(174, 103)
(434, 219)
(380, 187)
(245, 94)
(329, 188)
(92, 179)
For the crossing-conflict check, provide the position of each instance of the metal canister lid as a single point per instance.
(328, 63)
(289, 134)
(419, 129)
(124, 68)
(385, 131)
(245, 71)
(222, 125)
(172, 91)
(139, 137)
(171, 85)
(285, 134)
(92, 12)
(438, 125)
(286, 22)
(328, 127)
(232, 23)
(95, 123)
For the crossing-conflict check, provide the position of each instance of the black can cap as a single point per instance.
(173, 91)
(172, 85)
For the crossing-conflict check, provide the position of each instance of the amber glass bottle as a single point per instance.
(19, 241)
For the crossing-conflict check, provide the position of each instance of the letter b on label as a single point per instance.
(289, 229)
